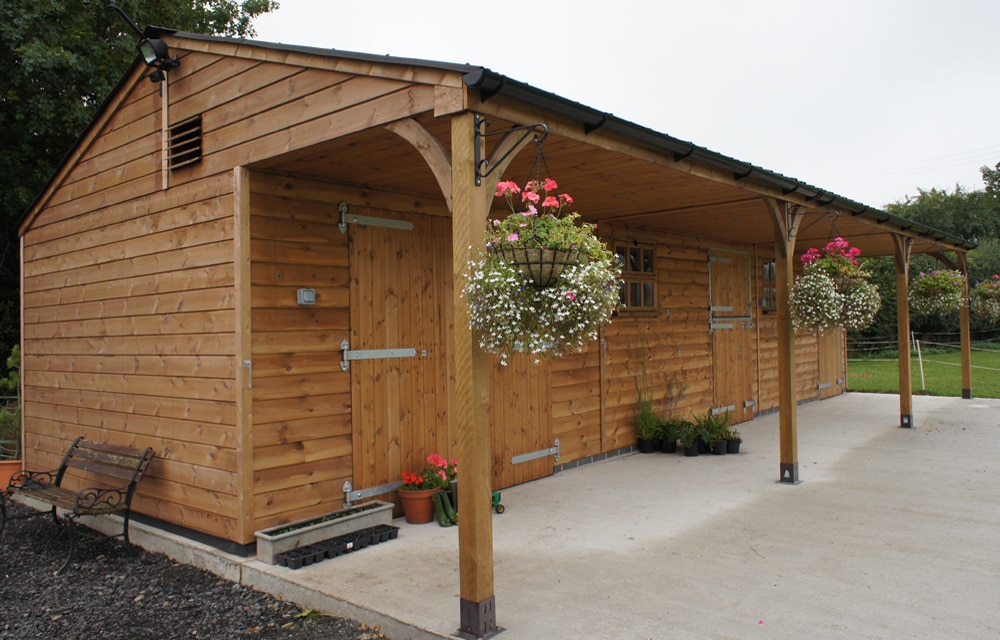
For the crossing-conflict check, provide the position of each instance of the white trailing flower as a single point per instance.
(510, 314)
(985, 299)
(815, 303)
(938, 292)
(860, 306)
(834, 290)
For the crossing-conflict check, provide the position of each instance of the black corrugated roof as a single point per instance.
(490, 83)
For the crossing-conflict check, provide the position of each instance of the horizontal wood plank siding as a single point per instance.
(301, 398)
(129, 319)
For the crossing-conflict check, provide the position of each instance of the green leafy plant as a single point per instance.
(647, 423)
(689, 434)
(938, 292)
(712, 427)
(508, 312)
(673, 428)
(10, 408)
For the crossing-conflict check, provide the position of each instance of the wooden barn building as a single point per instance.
(251, 264)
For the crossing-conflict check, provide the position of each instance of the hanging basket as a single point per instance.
(541, 266)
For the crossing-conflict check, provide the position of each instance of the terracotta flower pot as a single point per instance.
(417, 505)
(7, 469)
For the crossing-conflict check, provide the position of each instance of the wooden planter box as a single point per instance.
(275, 540)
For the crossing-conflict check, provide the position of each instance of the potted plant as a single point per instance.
(689, 439)
(670, 433)
(417, 491)
(833, 290)
(10, 419)
(984, 299)
(733, 440)
(545, 284)
(647, 422)
(939, 292)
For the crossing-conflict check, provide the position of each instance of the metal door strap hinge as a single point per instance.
(347, 218)
(541, 453)
(350, 494)
(371, 354)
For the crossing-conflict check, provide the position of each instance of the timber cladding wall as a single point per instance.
(128, 324)
(301, 398)
(130, 327)
(594, 393)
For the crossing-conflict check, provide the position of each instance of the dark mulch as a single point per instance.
(115, 592)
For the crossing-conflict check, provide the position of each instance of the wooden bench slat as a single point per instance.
(104, 469)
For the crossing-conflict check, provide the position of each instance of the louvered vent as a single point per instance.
(185, 143)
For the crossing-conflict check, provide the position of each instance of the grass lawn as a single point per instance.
(942, 373)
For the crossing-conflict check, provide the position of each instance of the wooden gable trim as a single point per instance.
(402, 72)
(107, 112)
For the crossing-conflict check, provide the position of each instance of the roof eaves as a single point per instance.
(489, 84)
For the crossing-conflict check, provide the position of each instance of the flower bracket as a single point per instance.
(483, 168)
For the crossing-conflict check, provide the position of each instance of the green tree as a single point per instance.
(974, 215)
(60, 60)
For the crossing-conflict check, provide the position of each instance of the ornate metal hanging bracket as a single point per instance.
(483, 168)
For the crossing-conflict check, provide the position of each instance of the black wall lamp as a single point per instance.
(154, 52)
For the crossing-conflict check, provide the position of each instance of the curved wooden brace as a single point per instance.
(433, 152)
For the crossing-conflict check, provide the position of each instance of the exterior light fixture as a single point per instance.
(154, 52)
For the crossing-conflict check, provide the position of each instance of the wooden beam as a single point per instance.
(471, 391)
(433, 152)
(963, 267)
(786, 226)
(903, 245)
(244, 376)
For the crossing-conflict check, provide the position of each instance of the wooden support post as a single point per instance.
(785, 228)
(902, 245)
(470, 379)
(966, 332)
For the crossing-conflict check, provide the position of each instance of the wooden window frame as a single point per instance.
(638, 289)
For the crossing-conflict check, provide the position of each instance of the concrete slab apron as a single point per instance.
(891, 535)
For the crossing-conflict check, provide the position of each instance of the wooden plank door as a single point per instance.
(734, 357)
(832, 364)
(521, 419)
(399, 298)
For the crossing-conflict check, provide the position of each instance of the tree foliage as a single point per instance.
(60, 60)
(974, 215)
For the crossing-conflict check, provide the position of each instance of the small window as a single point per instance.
(638, 288)
(185, 143)
(769, 301)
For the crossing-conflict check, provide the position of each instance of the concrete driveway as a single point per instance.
(893, 534)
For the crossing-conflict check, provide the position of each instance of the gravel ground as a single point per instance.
(116, 592)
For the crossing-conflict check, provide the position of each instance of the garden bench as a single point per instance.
(121, 466)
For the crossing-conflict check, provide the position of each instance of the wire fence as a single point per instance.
(887, 347)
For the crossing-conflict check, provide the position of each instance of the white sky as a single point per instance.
(870, 99)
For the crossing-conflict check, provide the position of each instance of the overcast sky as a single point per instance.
(870, 99)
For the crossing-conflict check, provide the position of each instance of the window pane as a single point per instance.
(621, 294)
(647, 294)
(647, 260)
(622, 254)
(635, 259)
(635, 294)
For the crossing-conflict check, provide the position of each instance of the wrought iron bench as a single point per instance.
(123, 466)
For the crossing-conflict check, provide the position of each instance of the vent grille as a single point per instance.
(185, 143)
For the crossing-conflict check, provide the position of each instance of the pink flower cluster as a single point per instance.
(838, 248)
